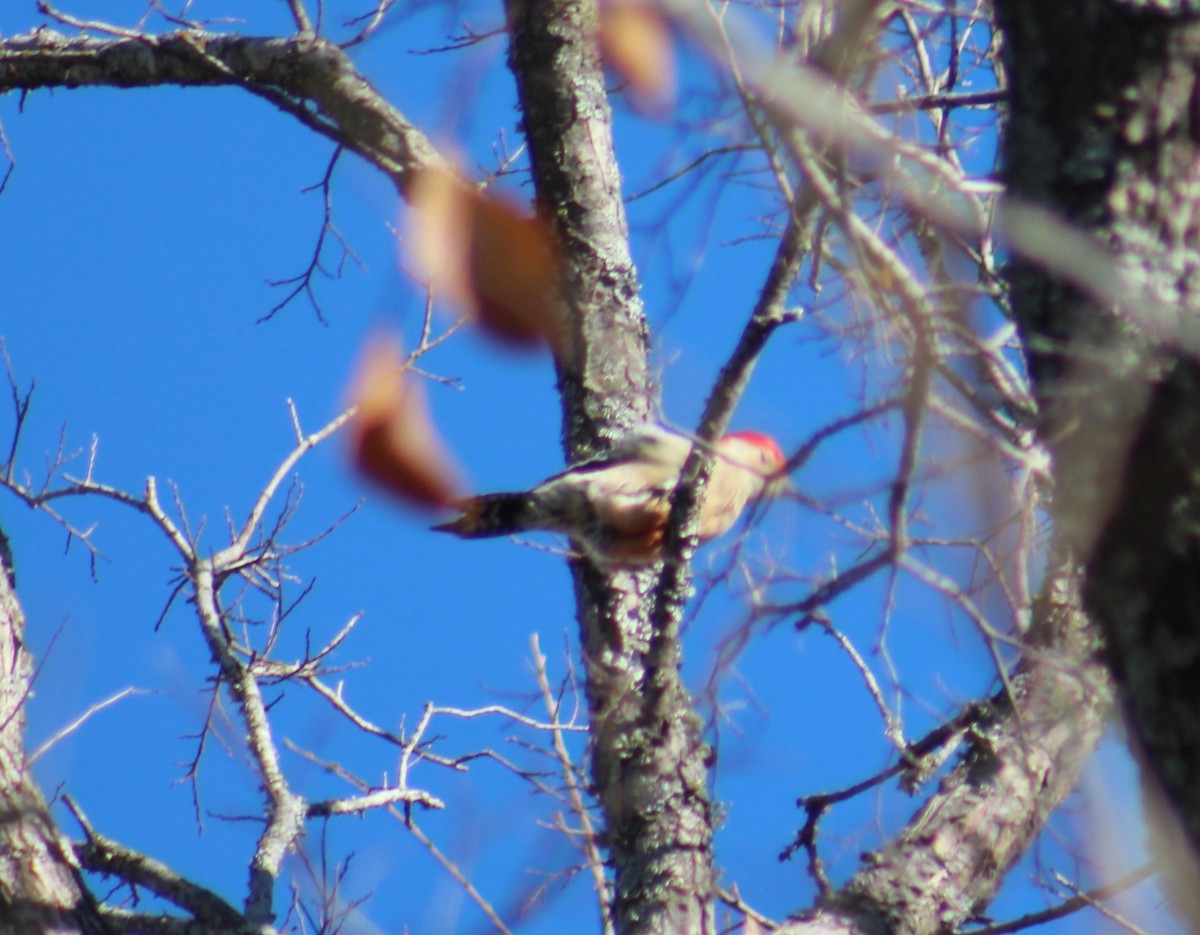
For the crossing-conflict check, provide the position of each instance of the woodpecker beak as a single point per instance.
(780, 486)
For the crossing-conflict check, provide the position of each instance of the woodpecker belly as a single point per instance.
(617, 507)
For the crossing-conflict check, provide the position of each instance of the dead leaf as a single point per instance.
(392, 438)
(499, 263)
(635, 40)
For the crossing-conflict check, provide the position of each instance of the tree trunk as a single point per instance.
(40, 887)
(649, 762)
(1104, 129)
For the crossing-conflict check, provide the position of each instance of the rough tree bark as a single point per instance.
(649, 761)
(1105, 129)
(304, 76)
(1023, 758)
(40, 888)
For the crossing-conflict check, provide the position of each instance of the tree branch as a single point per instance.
(1020, 764)
(41, 889)
(650, 775)
(102, 855)
(308, 77)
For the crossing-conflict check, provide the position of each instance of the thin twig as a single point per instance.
(70, 728)
(1072, 905)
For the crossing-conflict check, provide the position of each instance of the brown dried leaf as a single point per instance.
(635, 40)
(500, 264)
(392, 439)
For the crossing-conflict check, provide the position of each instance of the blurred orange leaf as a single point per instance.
(392, 439)
(500, 264)
(635, 40)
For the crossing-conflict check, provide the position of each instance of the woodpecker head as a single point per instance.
(755, 450)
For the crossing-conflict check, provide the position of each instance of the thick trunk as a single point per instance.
(1104, 129)
(649, 764)
(40, 889)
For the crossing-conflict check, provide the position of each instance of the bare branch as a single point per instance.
(69, 729)
(452, 868)
(102, 855)
(305, 76)
(372, 21)
(303, 283)
(382, 798)
(588, 840)
(1020, 764)
(1072, 905)
(237, 549)
(304, 25)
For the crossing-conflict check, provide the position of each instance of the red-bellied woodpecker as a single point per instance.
(617, 506)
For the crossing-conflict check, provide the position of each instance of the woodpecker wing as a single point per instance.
(622, 495)
(617, 505)
(650, 444)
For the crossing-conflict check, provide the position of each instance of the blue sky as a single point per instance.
(141, 229)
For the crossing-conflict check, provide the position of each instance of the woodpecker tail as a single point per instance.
(494, 514)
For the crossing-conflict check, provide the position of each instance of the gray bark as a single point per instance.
(40, 887)
(649, 762)
(1104, 128)
(1022, 760)
(309, 78)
